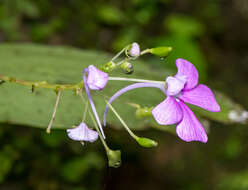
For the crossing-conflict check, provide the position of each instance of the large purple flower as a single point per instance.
(179, 89)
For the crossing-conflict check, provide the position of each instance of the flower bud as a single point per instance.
(134, 50)
(96, 79)
(127, 67)
(161, 51)
(114, 158)
(82, 133)
(145, 142)
(108, 67)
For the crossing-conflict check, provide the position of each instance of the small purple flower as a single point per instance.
(96, 79)
(82, 133)
(180, 89)
(135, 50)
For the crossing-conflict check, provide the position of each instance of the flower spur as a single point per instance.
(179, 89)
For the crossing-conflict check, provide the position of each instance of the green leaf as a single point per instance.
(64, 65)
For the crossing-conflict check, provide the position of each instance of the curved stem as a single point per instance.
(128, 88)
(91, 102)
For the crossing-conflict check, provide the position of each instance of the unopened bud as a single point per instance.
(127, 67)
(134, 50)
(161, 51)
(145, 142)
(108, 67)
(114, 158)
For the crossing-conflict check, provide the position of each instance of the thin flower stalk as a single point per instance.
(48, 130)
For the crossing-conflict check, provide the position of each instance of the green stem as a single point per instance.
(48, 130)
(122, 121)
(95, 124)
(135, 80)
(99, 132)
(42, 84)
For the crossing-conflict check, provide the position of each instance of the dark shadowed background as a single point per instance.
(212, 34)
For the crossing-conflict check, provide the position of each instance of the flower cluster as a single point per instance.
(179, 89)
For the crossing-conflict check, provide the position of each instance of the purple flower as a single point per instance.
(135, 50)
(82, 133)
(96, 79)
(180, 89)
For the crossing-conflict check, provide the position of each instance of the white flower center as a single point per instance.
(175, 85)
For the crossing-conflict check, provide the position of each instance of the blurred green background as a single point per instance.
(211, 33)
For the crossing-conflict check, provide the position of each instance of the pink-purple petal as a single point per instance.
(187, 69)
(96, 79)
(82, 133)
(168, 112)
(174, 86)
(190, 129)
(201, 96)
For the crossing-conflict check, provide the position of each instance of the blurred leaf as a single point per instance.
(7, 158)
(184, 25)
(76, 168)
(186, 48)
(109, 14)
(234, 181)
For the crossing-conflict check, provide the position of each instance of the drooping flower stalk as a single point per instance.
(114, 156)
(128, 88)
(145, 142)
(48, 130)
(91, 101)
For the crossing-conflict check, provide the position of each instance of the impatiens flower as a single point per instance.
(180, 89)
(135, 50)
(82, 133)
(96, 80)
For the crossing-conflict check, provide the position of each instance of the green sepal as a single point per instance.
(114, 158)
(145, 142)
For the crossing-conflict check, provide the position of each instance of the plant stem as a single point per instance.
(99, 132)
(94, 123)
(118, 54)
(122, 121)
(135, 80)
(42, 84)
(48, 130)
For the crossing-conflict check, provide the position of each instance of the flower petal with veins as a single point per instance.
(82, 133)
(201, 96)
(190, 129)
(187, 69)
(168, 112)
